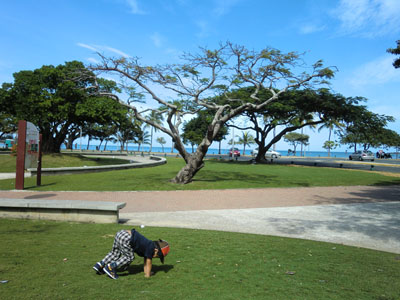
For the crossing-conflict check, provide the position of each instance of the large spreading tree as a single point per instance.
(365, 128)
(294, 110)
(200, 77)
(57, 101)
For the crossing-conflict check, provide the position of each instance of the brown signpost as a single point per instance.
(19, 180)
(28, 152)
(39, 167)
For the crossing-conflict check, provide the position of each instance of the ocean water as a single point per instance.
(210, 151)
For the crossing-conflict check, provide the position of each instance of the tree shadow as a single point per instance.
(378, 221)
(374, 213)
(379, 193)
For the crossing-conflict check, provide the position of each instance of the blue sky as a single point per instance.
(352, 35)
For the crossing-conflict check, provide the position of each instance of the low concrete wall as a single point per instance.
(61, 210)
(140, 163)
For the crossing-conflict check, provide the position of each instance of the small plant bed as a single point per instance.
(54, 260)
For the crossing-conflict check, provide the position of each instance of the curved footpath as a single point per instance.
(362, 216)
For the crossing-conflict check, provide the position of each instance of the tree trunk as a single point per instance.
(193, 165)
(194, 161)
(329, 139)
(51, 144)
(151, 142)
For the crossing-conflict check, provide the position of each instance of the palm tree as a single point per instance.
(246, 140)
(331, 124)
(156, 118)
(143, 138)
(161, 141)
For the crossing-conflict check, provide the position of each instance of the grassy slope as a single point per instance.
(215, 175)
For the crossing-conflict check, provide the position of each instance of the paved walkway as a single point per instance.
(359, 216)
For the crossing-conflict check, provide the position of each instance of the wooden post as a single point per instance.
(39, 167)
(19, 180)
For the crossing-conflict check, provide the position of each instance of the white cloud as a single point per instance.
(376, 72)
(368, 18)
(119, 52)
(204, 29)
(87, 47)
(310, 28)
(222, 7)
(157, 39)
(134, 7)
(100, 48)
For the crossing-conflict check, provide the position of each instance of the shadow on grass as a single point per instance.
(212, 176)
(39, 228)
(245, 176)
(136, 269)
(35, 186)
(388, 183)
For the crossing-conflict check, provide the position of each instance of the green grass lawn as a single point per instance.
(57, 160)
(53, 260)
(215, 175)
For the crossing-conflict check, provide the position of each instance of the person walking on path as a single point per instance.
(126, 243)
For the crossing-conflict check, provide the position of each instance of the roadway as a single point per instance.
(379, 165)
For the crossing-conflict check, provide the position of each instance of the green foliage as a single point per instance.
(8, 124)
(330, 145)
(201, 265)
(129, 129)
(195, 130)
(395, 51)
(366, 128)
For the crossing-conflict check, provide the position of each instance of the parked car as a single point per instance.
(362, 155)
(235, 152)
(268, 154)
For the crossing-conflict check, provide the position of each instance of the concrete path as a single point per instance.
(359, 216)
(369, 225)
